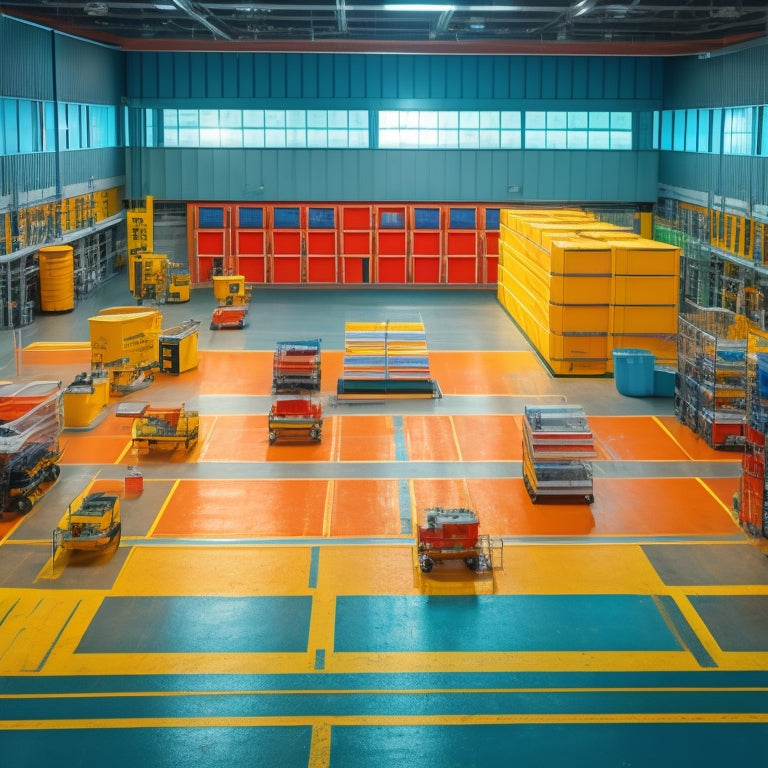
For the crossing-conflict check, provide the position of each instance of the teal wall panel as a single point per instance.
(338, 175)
(293, 76)
(27, 56)
(229, 76)
(532, 79)
(738, 79)
(549, 67)
(390, 77)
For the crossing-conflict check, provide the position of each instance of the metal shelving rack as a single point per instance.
(711, 389)
(557, 450)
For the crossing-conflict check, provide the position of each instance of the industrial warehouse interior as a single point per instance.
(383, 383)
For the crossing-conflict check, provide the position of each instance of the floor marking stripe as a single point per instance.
(682, 630)
(328, 508)
(671, 437)
(162, 509)
(56, 639)
(703, 484)
(314, 567)
(456, 442)
(383, 720)
(320, 747)
(207, 442)
(128, 446)
(405, 507)
(401, 449)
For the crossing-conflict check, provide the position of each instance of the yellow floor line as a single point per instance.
(455, 438)
(381, 720)
(162, 509)
(704, 485)
(672, 437)
(328, 509)
(203, 451)
(320, 748)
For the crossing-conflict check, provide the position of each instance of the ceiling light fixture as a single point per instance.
(580, 7)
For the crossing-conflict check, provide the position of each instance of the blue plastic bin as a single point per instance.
(664, 381)
(633, 370)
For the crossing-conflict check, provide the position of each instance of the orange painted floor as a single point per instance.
(368, 506)
(264, 593)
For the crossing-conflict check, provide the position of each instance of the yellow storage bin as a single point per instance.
(578, 318)
(84, 403)
(643, 320)
(645, 289)
(645, 257)
(566, 355)
(580, 289)
(56, 264)
(579, 256)
(129, 336)
(546, 234)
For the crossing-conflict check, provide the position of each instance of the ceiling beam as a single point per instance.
(188, 8)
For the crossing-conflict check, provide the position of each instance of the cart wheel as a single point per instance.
(52, 472)
(590, 498)
(23, 505)
(530, 490)
(214, 327)
(314, 434)
(426, 564)
(272, 435)
(471, 563)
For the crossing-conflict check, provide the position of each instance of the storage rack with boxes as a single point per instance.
(710, 392)
(752, 506)
(557, 450)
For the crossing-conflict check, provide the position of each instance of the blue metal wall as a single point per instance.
(42, 65)
(735, 79)
(26, 53)
(378, 77)
(434, 175)
(375, 81)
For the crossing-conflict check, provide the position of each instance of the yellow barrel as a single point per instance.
(57, 278)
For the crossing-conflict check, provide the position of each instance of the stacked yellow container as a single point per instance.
(646, 284)
(579, 287)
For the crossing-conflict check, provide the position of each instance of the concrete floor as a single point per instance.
(265, 607)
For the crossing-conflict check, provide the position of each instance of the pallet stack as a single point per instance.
(579, 288)
(558, 446)
(386, 358)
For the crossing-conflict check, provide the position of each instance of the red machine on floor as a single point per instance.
(452, 534)
(228, 318)
(295, 417)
